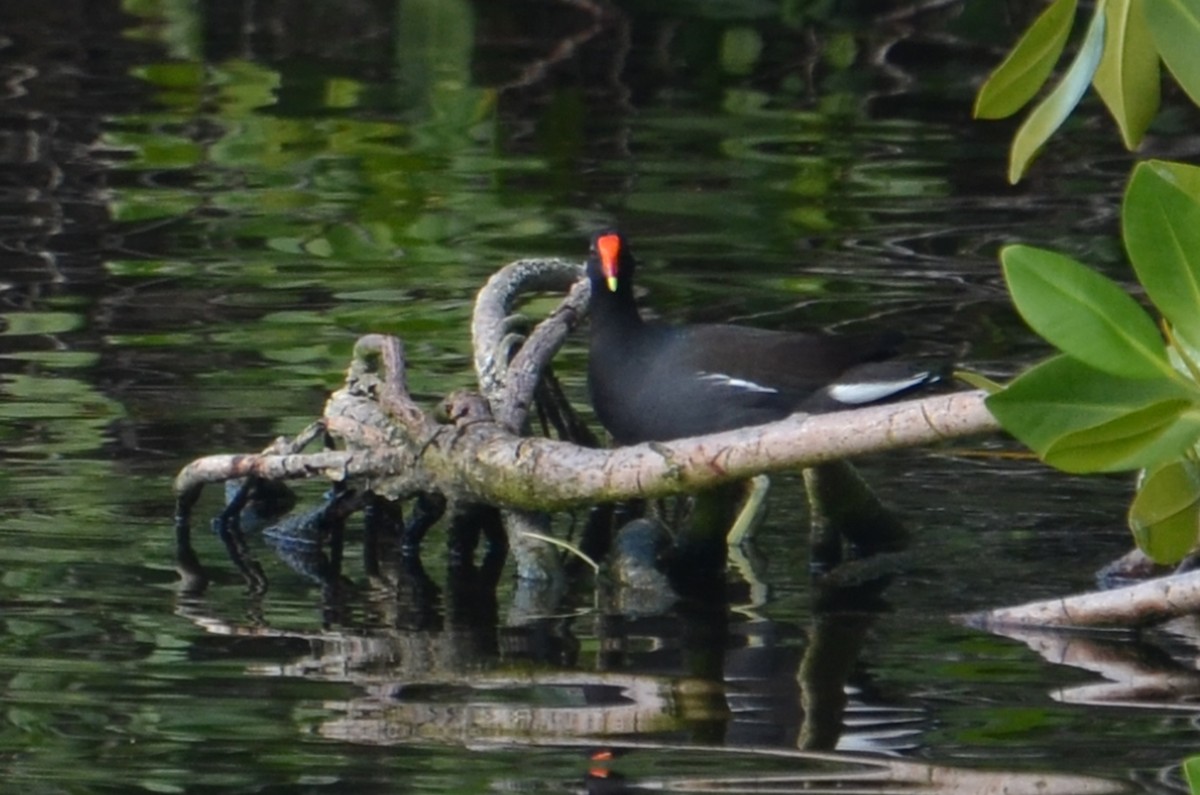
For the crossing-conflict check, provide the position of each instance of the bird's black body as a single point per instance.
(652, 381)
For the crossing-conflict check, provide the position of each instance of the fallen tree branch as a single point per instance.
(394, 448)
(485, 462)
(1143, 604)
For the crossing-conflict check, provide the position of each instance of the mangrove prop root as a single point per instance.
(387, 444)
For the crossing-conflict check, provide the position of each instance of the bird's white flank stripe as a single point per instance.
(869, 391)
(737, 383)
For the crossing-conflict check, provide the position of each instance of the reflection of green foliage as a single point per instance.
(289, 172)
(337, 203)
(798, 12)
(740, 50)
(301, 199)
(802, 162)
(177, 24)
(727, 10)
(73, 415)
(434, 42)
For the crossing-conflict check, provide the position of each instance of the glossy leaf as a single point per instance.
(1164, 513)
(1017, 79)
(1052, 111)
(1162, 234)
(1083, 313)
(1191, 772)
(1063, 395)
(1127, 78)
(1175, 25)
(1183, 176)
(978, 381)
(1136, 440)
(1184, 357)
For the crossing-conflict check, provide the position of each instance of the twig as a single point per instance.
(569, 547)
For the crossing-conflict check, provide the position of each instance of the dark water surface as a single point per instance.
(202, 205)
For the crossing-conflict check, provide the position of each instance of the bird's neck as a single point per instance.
(614, 311)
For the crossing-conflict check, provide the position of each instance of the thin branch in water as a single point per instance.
(568, 546)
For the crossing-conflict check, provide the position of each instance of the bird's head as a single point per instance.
(609, 264)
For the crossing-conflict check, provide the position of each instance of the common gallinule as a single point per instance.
(653, 381)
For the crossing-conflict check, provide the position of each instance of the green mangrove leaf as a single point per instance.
(1052, 111)
(1183, 176)
(1137, 440)
(1184, 356)
(1166, 490)
(978, 381)
(1127, 78)
(1083, 313)
(1063, 395)
(1019, 76)
(1165, 510)
(1191, 772)
(1168, 541)
(1162, 235)
(1175, 25)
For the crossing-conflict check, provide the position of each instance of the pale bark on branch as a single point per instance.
(1142, 604)
(392, 446)
(479, 454)
(485, 462)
